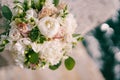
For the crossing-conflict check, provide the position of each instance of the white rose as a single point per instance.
(48, 26)
(31, 14)
(14, 34)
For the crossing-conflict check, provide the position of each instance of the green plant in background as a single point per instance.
(108, 47)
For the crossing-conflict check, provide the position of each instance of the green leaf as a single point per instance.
(1, 49)
(34, 33)
(2, 46)
(6, 12)
(34, 58)
(55, 2)
(54, 67)
(65, 12)
(69, 63)
(39, 4)
(80, 39)
(36, 36)
(75, 35)
(16, 1)
(31, 56)
(5, 42)
(26, 6)
(41, 39)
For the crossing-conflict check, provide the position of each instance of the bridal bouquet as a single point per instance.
(39, 34)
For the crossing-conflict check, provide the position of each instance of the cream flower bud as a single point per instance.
(14, 34)
(17, 10)
(48, 26)
(31, 14)
(49, 3)
(36, 47)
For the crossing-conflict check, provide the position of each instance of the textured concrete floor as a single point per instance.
(89, 13)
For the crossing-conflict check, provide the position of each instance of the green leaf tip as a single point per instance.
(55, 2)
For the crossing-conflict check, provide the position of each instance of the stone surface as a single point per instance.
(89, 13)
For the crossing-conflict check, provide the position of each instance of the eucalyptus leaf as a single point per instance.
(69, 63)
(55, 2)
(6, 12)
(54, 67)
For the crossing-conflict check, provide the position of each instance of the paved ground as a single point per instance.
(89, 13)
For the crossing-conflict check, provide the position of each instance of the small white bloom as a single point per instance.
(105, 27)
(14, 34)
(117, 56)
(36, 47)
(25, 41)
(48, 26)
(31, 14)
(17, 10)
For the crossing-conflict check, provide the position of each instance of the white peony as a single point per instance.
(48, 26)
(14, 34)
(31, 14)
(52, 52)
